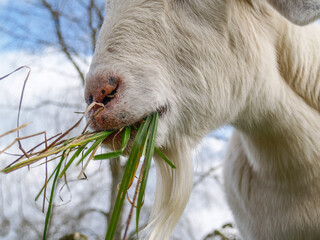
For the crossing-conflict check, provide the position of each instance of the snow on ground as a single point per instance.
(53, 79)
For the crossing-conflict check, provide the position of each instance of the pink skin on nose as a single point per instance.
(105, 90)
(105, 93)
(108, 89)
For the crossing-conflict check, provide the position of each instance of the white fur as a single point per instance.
(223, 62)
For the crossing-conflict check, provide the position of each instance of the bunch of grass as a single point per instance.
(84, 147)
(76, 149)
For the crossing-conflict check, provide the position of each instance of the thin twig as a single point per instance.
(46, 177)
(20, 104)
(14, 130)
(19, 111)
(31, 150)
(18, 140)
(55, 15)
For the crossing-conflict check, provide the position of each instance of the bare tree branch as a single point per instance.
(205, 175)
(56, 18)
(92, 28)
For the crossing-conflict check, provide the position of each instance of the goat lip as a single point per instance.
(106, 121)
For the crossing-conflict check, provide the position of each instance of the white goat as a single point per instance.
(203, 64)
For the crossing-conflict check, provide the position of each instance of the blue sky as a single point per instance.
(24, 25)
(28, 22)
(21, 18)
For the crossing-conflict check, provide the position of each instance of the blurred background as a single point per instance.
(56, 39)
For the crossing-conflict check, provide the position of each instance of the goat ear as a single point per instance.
(300, 12)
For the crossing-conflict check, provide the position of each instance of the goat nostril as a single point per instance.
(112, 80)
(90, 100)
(110, 96)
(106, 91)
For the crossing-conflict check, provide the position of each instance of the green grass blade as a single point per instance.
(51, 198)
(124, 141)
(56, 150)
(139, 145)
(108, 155)
(74, 156)
(164, 157)
(125, 137)
(95, 136)
(150, 142)
(127, 176)
(38, 195)
(93, 146)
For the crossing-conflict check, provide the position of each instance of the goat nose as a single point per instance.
(102, 90)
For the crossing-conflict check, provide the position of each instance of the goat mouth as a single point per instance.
(101, 122)
(114, 140)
